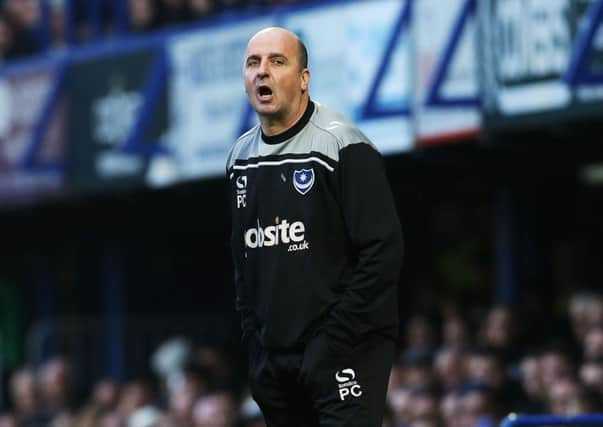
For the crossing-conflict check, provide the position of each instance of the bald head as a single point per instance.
(276, 78)
(285, 36)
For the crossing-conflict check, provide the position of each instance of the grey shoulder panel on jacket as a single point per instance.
(243, 148)
(327, 133)
(336, 129)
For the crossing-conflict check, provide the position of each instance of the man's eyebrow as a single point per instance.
(270, 55)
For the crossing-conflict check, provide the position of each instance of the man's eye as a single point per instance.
(278, 61)
(252, 62)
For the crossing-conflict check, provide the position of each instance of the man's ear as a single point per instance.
(305, 79)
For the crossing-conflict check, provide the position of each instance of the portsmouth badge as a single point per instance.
(303, 180)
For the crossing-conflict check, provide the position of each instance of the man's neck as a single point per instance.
(274, 126)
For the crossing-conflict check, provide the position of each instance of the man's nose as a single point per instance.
(263, 69)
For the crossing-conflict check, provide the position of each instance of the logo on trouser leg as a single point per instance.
(348, 386)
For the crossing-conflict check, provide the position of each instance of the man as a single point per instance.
(317, 250)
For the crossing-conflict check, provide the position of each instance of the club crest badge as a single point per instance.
(303, 180)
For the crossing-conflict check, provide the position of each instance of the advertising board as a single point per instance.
(446, 90)
(541, 61)
(31, 149)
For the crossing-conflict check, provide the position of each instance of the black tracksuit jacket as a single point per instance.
(316, 239)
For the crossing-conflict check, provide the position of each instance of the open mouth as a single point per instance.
(264, 93)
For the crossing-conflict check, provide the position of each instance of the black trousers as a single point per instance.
(326, 385)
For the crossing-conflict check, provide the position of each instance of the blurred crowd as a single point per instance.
(478, 367)
(191, 386)
(455, 369)
(28, 27)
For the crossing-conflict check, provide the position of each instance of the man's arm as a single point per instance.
(370, 301)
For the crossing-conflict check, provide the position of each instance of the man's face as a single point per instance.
(274, 78)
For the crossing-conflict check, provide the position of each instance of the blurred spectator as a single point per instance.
(418, 369)
(102, 403)
(23, 16)
(530, 376)
(591, 374)
(425, 422)
(171, 12)
(135, 395)
(484, 366)
(499, 332)
(532, 397)
(169, 360)
(562, 393)
(420, 333)
(450, 409)
(146, 416)
(555, 364)
(594, 316)
(201, 8)
(181, 400)
(581, 307)
(215, 410)
(231, 5)
(143, 15)
(82, 25)
(66, 419)
(568, 397)
(6, 37)
(396, 377)
(112, 419)
(424, 407)
(55, 385)
(593, 344)
(477, 406)
(214, 364)
(449, 368)
(91, 416)
(455, 331)
(7, 420)
(587, 312)
(106, 393)
(400, 401)
(57, 24)
(23, 395)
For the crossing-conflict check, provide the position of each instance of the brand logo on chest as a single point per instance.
(303, 180)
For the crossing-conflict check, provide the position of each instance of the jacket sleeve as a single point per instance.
(237, 245)
(369, 302)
